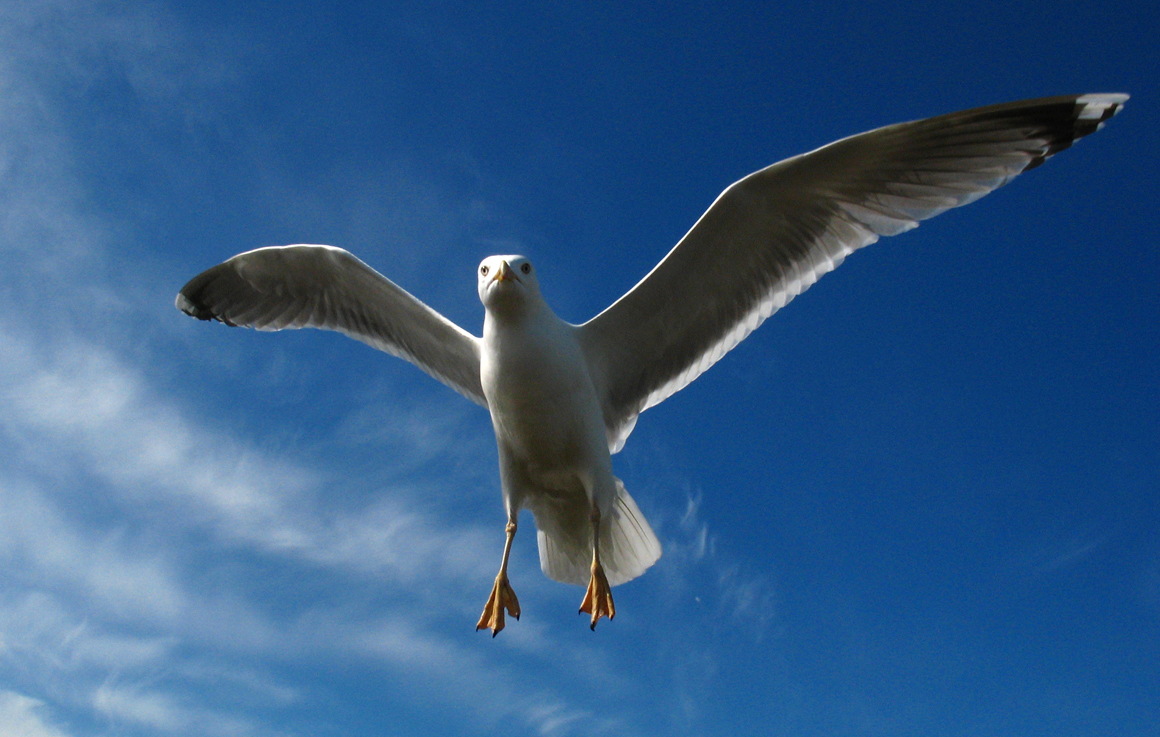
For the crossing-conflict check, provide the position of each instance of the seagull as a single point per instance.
(563, 398)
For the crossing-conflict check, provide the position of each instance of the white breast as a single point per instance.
(539, 392)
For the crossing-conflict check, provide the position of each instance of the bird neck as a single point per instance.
(514, 315)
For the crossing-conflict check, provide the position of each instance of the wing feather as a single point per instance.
(324, 287)
(771, 235)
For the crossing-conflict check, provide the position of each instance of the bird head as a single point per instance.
(506, 282)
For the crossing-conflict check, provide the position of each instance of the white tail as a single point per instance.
(628, 546)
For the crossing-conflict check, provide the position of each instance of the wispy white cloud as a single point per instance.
(35, 538)
(496, 693)
(723, 583)
(64, 651)
(146, 709)
(138, 706)
(747, 597)
(85, 402)
(23, 716)
(1056, 549)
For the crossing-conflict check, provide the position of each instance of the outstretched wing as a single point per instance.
(771, 235)
(326, 287)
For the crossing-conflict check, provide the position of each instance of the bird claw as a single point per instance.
(502, 597)
(598, 599)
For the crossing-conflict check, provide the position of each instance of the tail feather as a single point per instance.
(628, 545)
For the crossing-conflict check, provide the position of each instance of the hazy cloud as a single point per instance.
(22, 716)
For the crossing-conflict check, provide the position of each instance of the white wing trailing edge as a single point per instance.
(771, 235)
(324, 287)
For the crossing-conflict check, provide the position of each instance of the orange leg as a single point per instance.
(598, 599)
(502, 597)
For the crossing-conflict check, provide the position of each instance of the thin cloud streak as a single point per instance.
(444, 665)
(20, 716)
(745, 598)
(36, 539)
(86, 401)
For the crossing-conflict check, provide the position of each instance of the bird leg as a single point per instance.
(598, 599)
(502, 597)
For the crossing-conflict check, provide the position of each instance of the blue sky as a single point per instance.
(920, 500)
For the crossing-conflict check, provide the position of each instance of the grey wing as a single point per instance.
(771, 235)
(325, 287)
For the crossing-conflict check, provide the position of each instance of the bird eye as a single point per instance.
(526, 268)
(483, 270)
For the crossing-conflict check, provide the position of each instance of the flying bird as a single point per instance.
(564, 398)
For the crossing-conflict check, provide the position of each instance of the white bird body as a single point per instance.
(563, 397)
(538, 389)
(550, 431)
(544, 408)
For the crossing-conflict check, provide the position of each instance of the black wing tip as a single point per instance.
(189, 307)
(191, 301)
(1065, 120)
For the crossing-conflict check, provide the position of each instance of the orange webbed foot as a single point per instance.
(598, 599)
(502, 597)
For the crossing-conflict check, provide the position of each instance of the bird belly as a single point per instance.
(548, 424)
(544, 411)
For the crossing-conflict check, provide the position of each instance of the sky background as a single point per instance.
(921, 500)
